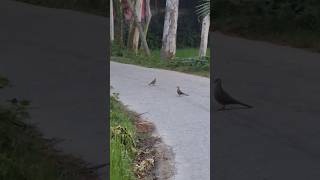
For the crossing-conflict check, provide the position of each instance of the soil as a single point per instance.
(156, 157)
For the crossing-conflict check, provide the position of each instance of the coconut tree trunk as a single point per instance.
(118, 23)
(135, 38)
(148, 17)
(111, 21)
(169, 37)
(140, 28)
(204, 36)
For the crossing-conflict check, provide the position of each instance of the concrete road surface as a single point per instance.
(279, 138)
(57, 59)
(182, 122)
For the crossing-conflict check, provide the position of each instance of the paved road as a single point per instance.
(279, 138)
(182, 122)
(56, 59)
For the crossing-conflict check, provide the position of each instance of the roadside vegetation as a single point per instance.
(295, 23)
(130, 156)
(122, 142)
(186, 60)
(26, 154)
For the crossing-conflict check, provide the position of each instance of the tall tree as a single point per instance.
(203, 11)
(135, 38)
(168, 49)
(204, 36)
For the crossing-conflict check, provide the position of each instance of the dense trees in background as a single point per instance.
(132, 15)
(190, 24)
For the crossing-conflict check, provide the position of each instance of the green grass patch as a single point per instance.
(122, 142)
(186, 60)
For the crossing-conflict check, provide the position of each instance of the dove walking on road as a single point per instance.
(180, 92)
(153, 82)
(223, 97)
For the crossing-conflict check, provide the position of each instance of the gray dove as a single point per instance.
(180, 92)
(223, 97)
(153, 82)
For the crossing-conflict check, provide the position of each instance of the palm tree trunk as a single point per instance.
(118, 23)
(169, 37)
(135, 38)
(204, 36)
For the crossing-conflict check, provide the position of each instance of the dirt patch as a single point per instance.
(155, 159)
(144, 126)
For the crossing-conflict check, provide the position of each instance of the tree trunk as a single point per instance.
(156, 8)
(204, 36)
(148, 17)
(169, 37)
(130, 34)
(139, 25)
(111, 21)
(118, 23)
(135, 42)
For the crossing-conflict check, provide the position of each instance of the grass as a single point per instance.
(180, 64)
(25, 154)
(122, 142)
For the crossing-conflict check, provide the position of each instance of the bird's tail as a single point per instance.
(185, 94)
(243, 104)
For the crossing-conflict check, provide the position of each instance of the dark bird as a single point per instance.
(180, 92)
(223, 97)
(153, 82)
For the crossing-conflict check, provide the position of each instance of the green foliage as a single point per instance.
(203, 9)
